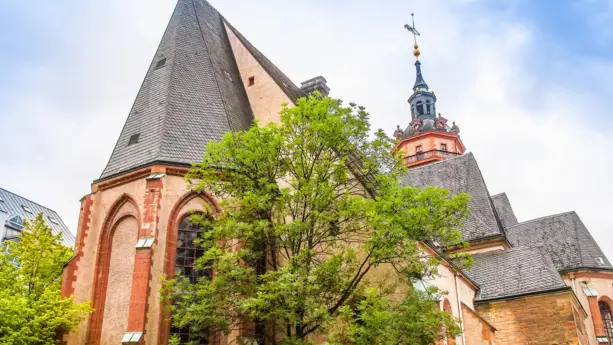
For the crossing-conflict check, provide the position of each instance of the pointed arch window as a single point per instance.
(420, 107)
(607, 319)
(187, 254)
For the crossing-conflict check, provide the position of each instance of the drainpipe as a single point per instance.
(457, 294)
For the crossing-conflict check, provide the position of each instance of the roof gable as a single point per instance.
(564, 237)
(461, 174)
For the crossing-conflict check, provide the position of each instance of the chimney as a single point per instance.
(315, 84)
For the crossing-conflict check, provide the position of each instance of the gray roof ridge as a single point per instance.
(28, 200)
(547, 258)
(140, 89)
(541, 218)
(498, 194)
(208, 54)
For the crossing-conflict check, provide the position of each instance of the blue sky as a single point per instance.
(528, 82)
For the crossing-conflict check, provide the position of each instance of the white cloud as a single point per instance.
(535, 134)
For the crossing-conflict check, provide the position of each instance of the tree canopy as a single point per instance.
(32, 310)
(316, 240)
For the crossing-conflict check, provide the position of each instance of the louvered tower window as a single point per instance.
(187, 253)
(607, 319)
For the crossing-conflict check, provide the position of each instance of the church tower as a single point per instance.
(205, 79)
(429, 137)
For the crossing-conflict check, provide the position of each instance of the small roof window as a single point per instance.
(134, 139)
(15, 222)
(228, 75)
(26, 208)
(160, 63)
(53, 220)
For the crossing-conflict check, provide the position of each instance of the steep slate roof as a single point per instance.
(192, 94)
(514, 272)
(12, 204)
(564, 237)
(461, 174)
(504, 209)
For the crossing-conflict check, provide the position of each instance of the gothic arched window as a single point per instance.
(420, 107)
(607, 319)
(187, 253)
(428, 107)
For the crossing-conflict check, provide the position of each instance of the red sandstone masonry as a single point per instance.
(102, 267)
(70, 276)
(143, 260)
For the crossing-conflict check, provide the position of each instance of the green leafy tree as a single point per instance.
(32, 310)
(317, 241)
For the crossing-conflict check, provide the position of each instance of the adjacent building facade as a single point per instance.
(15, 209)
(543, 281)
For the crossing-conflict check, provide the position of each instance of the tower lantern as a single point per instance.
(427, 138)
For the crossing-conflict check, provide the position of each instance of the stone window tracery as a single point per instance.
(187, 253)
(607, 319)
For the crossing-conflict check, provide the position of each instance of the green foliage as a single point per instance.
(317, 239)
(32, 311)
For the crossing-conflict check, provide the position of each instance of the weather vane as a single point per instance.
(415, 33)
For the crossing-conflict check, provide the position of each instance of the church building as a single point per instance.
(539, 281)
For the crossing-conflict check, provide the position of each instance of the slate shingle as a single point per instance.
(564, 237)
(461, 174)
(504, 209)
(195, 97)
(514, 272)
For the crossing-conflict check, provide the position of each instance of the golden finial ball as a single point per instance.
(416, 52)
(416, 46)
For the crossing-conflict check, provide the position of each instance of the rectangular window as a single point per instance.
(251, 81)
(418, 148)
(443, 147)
